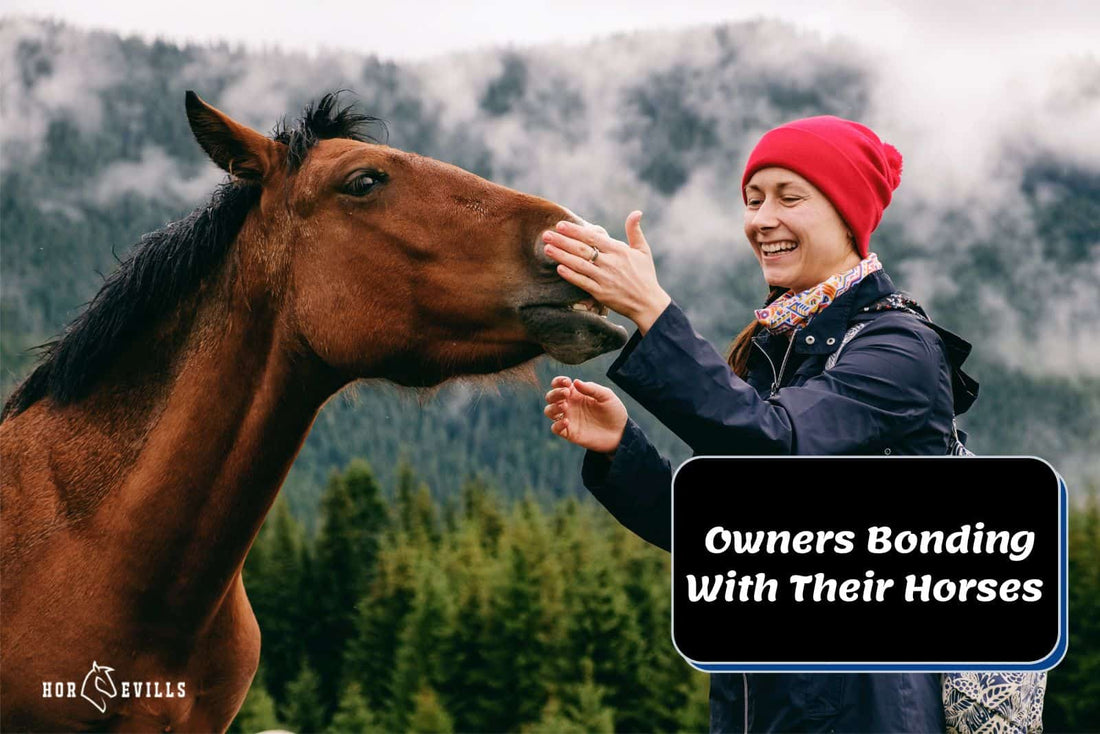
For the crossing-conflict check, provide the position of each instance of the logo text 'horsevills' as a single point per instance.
(99, 687)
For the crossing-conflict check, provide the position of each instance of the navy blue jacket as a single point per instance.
(887, 391)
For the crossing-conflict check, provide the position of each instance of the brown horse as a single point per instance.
(141, 456)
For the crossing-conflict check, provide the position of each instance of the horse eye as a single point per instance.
(361, 185)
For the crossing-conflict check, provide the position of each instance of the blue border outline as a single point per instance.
(1047, 663)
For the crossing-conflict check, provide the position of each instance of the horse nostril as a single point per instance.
(544, 261)
(540, 253)
(547, 221)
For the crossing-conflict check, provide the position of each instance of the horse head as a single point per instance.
(102, 686)
(390, 264)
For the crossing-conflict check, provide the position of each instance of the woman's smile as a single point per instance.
(777, 249)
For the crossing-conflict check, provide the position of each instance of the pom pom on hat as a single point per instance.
(844, 159)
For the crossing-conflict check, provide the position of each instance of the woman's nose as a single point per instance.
(764, 216)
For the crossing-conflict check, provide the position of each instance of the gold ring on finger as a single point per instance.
(595, 253)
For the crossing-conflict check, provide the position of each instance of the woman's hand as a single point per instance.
(585, 413)
(622, 276)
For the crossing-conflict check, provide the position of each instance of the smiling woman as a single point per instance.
(818, 371)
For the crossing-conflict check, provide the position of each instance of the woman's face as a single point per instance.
(797, 235)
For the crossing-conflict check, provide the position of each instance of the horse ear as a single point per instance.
(237, 148)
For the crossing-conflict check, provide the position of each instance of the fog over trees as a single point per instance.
(999, 240)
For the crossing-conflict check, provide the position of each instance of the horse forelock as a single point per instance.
(324, 120)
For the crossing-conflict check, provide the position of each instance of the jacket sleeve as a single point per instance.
(635, 487)
(883, 385)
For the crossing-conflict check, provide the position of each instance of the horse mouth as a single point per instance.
(573, 332)
(590, 305)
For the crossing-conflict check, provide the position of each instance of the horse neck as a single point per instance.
(227, 427)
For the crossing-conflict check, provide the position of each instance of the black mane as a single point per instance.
(165, 266)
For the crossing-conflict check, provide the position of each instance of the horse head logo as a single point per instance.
(98, 683)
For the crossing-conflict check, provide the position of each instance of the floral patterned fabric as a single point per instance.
(994, 703)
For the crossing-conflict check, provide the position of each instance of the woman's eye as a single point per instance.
(361, 185)
(754, 202)
(791, 199)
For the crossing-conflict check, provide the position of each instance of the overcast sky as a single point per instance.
(417, 29)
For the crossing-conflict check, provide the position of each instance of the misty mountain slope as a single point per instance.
(1001, 242)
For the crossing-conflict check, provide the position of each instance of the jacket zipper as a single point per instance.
(775, 377)
(775, 388)
(782, 366)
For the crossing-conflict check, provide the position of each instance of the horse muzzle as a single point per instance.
(572, 331)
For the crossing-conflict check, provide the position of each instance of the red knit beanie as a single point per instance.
(845, 160)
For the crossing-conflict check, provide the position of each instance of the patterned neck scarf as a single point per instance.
(792, 310)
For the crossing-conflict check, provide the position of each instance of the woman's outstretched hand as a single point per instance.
(619, 275)
(588, 414)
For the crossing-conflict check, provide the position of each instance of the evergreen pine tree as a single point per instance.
(470, 677)
(695, 714)
(665, 682)
(371, 656)
(449, 514)
(420, 661)
(346, 554)
(303, 710)
(519, 651)
(403, 495)
(554, 721)
(274, 580)
(369, 517)
(415, 508)
(588, 711)
(257, 712)
(532, 531)
(426, 521)
(604, 630)
(479, 506)
(429, 716)
(353, 716)
(1073, 688)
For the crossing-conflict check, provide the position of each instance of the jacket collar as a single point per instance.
(826, 329)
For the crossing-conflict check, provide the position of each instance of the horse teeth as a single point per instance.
(590, 307)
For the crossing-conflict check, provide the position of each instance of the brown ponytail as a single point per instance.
(741, 348)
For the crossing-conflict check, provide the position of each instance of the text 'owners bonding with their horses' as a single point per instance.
(835, 362)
